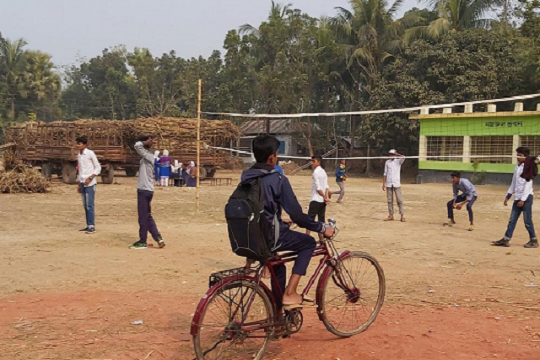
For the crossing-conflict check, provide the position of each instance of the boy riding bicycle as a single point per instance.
(278, 196)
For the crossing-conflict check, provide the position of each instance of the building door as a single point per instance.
(281, 148)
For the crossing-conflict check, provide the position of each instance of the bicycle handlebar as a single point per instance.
(332, 222)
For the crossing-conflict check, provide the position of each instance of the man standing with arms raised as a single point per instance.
(392, 183)
(89, 169)
(145, 193)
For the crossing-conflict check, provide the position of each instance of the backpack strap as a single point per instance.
(276, 223)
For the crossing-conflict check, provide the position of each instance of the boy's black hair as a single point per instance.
(263, 147)
(523, 150)
(456, 174)
(144, 138)
(317, 157)
(82, 139)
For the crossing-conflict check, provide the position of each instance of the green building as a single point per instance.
(468, 137)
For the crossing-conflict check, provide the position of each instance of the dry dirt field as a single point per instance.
(68, 295)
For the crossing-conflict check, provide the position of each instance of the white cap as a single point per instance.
(393, 151)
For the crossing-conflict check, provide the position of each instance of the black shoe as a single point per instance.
(85, 229)
(531, 244)
(91, 231)
(502, 242)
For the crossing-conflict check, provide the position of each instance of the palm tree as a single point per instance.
(278, 12)
(12, 58)
(368, 36)
(39, 81)
(454, 15)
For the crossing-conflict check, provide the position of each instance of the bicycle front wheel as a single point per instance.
(353, 294)
(232, 324)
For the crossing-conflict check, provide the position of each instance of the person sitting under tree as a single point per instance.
(467, 197)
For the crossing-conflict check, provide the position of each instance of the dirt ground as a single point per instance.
(68, 295)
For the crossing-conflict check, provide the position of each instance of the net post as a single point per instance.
(422, 148)
(515, 144)
(467, 149)
(199, 99)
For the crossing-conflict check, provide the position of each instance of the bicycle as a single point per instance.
(237, 317)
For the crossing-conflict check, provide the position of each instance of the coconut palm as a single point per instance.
(39, 81)
(12, 58)
(454, 15)
(368, 36)
(277, 13)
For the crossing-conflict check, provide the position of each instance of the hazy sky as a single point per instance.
(66, 28)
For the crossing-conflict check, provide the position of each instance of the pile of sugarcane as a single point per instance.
(23, 179)
(10, 159)
(170, 133)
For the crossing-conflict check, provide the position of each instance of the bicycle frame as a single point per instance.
(320, 250)
(325, 263)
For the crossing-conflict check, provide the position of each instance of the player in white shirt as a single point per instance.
(392, 183)
(320, 191)
(522, 189)
(89, 170)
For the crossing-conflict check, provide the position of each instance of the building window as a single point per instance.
(490, 146)
(445, 146)
(532, 142)
(245, 145)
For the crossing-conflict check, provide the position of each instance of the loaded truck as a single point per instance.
(51, 146)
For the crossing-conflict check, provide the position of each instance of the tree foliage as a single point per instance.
(362, 57)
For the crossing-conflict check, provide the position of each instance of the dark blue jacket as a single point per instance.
(278, 196)
(339, 173)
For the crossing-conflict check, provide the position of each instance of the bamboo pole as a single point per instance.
(199, 144)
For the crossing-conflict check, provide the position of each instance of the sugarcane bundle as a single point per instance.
(10, 159)
(173, 133)
(23, 179)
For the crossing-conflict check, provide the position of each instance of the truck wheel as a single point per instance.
(211, 172)
(69, 173)
(131, 172)
(203, 173)
(107, 175)
(46, 170)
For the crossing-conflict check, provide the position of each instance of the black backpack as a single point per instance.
(249, 230)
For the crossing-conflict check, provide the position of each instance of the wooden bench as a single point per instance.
(220, 181)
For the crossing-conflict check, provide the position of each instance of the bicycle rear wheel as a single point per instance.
(353, 295)
(222, 333)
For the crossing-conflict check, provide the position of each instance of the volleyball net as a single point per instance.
(456, 132)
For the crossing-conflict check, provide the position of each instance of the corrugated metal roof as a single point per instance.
(277, 126)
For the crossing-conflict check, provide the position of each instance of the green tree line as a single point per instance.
(364, 57)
